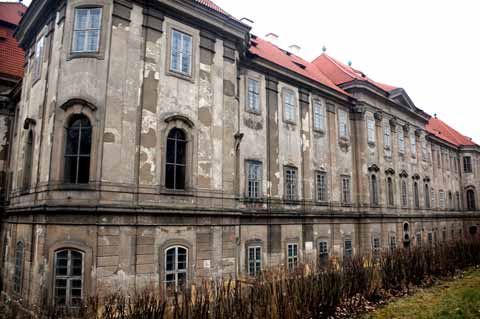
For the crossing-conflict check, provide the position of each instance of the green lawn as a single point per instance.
(452, 299)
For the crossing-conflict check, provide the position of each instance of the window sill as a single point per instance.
(319, 131)
(87, 55)
(371, 144)
(176, 192)
(346, 204)
(182, 76)
(76, 187)
(253, 112)
(289, 122)
(321, 203)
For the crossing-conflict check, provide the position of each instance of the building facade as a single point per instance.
(159, 143)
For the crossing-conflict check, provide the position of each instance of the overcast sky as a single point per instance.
(429, 48)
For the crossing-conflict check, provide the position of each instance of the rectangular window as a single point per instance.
(323, 252)
(413, 144)
(290, 183)
(401, 142)
(292, 256)
(342, 124)
(430, 238)
(86, 30)
(253, 96)
(393, 243)
(433, 198)
(418, 238)
(387, 142)
(346, 189)
(321, 186)
(289, 105)
(347, 248)
(404, 193)
(254, 179)
(318, 116)
(371, 131)
(376, 246)
(37, 59)
(254, 260)
(181, 53)
(441, 199)
(467, 164)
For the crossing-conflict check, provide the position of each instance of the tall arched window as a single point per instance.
(69, 281)
(391, 201)
(176, 267)
(374, 189)
(27, 165)
(427, 196)
(471, 205)
(18, 272)
(77, 150)
(416, 198)
(404, 193)
(450, 201)
(176, 159)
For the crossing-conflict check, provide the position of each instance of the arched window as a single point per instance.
(390, 191)
(471, 200)
(27, 165)
(176, 266)
(176, 159)
(374, 189)
(416, 195)
(18, 272)
(69, 281)
(427, 196)
(404, 193)
(450, 201)
(77, 150)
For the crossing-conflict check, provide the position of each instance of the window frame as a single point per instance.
(183, 34)
(257, 95)
(319, 116)
(346, 192)
(371, 131)
(390, 192)
(471, 199)
(259, 190)
(175, 271)
(289, 92)
(290, 196)
(387, 136)
(69, 126)
(467, 164)
(426, 195)
(401, 142)
(350, 250)
(257, 261)
(374, 190)
(319, 190)
(343, 129)
(176, 165)
(292, 260)
(323, 254)
(404, 192)
(99, 30)
(18, 272)
(441, 199)
(68, 277)
(38, 56)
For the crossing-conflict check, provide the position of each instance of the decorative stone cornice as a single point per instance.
(378, 116)
(390, 171)
(374, 168)
(403, 174)
(28, 123)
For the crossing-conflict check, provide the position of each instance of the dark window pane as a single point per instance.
(181, 149)
(84, 170)
(72, 142)
(170, 151)
(70, 169)
(180, 177)
(170, 176)
(86, 141)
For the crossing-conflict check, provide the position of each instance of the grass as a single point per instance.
(451, 299)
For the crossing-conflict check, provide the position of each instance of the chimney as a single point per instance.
(272, 37)
(295, 49)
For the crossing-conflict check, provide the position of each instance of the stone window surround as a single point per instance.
(195, 34)
(71, 108)
(315, 190)
(105, 27)
(190, 258)
(296, 185)
(259, 78)
(186, 125)
(317, 245)
(292, 241)
(295, 109)
(374, 137)
(347, 137)
(88, 282)
(19, 245)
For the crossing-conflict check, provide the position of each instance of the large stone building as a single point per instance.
(160, 142)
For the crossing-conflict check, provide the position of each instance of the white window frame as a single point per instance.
(321, 186)
(178, 67)
(256, 262)
(387, 136)
(289, 106)
(346, 190)
(292, 256)
(342, 124)
(254, 183)
(175, 271)
(253, 95)
(318, 116)
(371, 131)
(89, 32)
(291, 183)
(38, 58)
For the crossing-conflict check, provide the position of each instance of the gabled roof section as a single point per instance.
(12, 12)
(290, 61)
(443, 131)
(340, 73)
(400, 96)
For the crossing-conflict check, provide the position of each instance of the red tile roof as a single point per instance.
(211, 5)
(290, 61)
(441, 130)
(11, 56)
(340, 73)
(12, 12)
